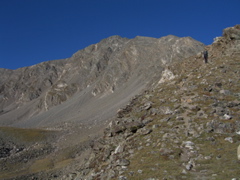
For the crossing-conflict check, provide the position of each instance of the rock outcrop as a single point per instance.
(228, 44)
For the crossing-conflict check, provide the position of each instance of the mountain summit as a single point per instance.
(92, 84)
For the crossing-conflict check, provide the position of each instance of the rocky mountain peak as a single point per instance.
(98, 70)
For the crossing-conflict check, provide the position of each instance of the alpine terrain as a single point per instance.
(142, 108)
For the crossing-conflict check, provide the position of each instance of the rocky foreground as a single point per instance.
(184, 126)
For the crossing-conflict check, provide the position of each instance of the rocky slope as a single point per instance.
(184, 125)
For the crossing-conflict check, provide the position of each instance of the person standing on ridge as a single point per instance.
(205, 55)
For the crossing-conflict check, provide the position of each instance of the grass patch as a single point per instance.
(41, 165)
(7, 175)
(63, 163)
(219, 155)
(24, 135)
(148, 163)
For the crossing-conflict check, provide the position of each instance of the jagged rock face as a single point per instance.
(112, 70)
(20, 86)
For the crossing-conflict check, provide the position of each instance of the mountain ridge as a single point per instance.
(103, 67)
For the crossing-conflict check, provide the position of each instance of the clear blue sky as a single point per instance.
(33, 31)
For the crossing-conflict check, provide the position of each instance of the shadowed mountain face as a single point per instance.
(90, 86)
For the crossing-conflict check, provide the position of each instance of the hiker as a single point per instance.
(205, 55)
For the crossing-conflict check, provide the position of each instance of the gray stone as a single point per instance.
(218, 157)
(188, 144)
(207, 157)
(165, 119)
(111, 173)
(165, 151)
(71, 176)
(184, 171)
(179, 118)
(123, 162)
(147, 106)
(119, 149)
(166, 136)
(189, 167)
(122, 178)
(140, 171)
(147, 120)
(155, 126)
(233, 103)
(227, 117)
(145, 131)
(221, 127)
(225, 92)
(165, 110)
(185, 156)
(154, 111)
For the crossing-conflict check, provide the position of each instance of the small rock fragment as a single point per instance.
(189, 167)
(140, 171)
(145, 131)
(227, 117)
(229, 139)
(123, 162)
